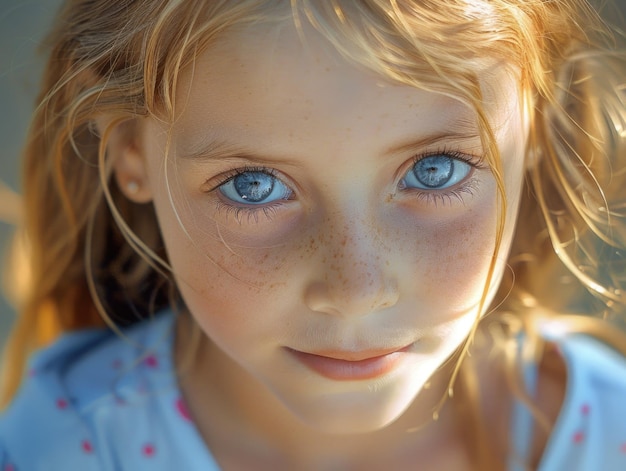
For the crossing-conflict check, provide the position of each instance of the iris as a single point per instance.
(254, 187)
(436, 172)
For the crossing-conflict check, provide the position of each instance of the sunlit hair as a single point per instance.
(97, 258)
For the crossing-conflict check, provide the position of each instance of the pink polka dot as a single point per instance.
(116, 364)
(181, 407)
(61, 403)
(623, 448)
(148, 450)
(86, 446)
(578, 437)
(9, 467)
(32, 373)
(584, 409)
(151, 361)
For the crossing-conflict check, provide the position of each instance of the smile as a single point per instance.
(352, 366)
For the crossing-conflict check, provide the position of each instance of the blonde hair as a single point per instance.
(88, 244)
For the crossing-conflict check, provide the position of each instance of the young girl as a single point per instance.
(342, 235)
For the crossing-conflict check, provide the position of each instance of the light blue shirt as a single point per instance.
(96, 401)
(590, 431)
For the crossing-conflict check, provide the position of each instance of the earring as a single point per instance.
(132, 187)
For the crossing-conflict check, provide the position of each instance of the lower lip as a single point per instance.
(344, 370)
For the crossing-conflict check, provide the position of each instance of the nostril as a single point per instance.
(328, 298)
(388, 299)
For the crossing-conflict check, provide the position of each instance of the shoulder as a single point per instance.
(72, 387)
(553, 397)
(578, 385)
(591, 424)
(586, 358)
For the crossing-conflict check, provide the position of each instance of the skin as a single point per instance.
(352, 262)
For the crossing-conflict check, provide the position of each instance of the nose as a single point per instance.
(354, 275)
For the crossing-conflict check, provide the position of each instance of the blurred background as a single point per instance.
(23, 23)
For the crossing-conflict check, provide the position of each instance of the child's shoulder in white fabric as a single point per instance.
(98, 401)
(590, 432)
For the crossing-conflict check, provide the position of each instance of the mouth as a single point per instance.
(352, 366)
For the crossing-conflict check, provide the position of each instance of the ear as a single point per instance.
(125, 152)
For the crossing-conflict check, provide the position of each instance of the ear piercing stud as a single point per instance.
(132, 187)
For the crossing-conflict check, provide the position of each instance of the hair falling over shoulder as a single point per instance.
(96, 258)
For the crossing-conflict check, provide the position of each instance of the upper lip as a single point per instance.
(360, 355)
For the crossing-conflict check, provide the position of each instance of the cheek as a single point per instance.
(234, 313)
(453, 260)
(234, 291)
(211, 272)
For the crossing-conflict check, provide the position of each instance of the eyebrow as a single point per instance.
(218, 149)
(431, 140)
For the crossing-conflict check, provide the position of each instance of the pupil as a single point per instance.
(434, 171)
(254, 186)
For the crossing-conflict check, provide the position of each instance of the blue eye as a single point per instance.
(255, 188)
(436, 172)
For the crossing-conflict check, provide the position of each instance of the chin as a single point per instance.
(356, 408)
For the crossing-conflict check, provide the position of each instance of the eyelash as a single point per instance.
(249, 212)
(430, 197)
(468, 186)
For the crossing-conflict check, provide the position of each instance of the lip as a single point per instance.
(352, 366)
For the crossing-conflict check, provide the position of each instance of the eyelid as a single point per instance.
(475, 161)
(226, 176)
(240, 210)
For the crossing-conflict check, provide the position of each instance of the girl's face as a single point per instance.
(330, 231)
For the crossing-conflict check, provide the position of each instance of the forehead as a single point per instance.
(256, 77)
